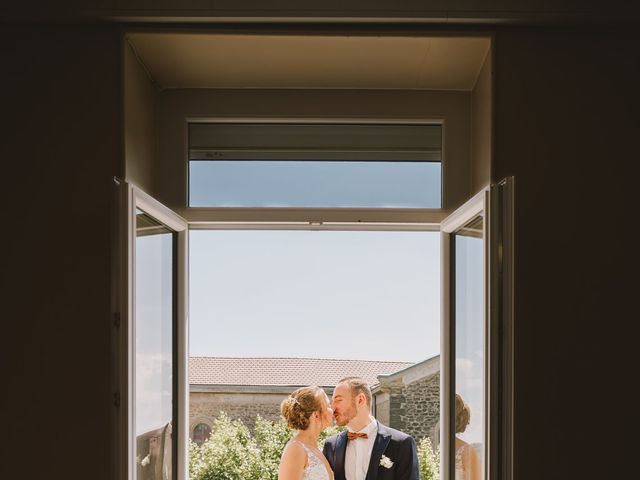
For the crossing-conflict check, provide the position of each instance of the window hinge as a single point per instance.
(116, 319)
(116, 399)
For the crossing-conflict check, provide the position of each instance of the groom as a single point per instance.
(367, 450)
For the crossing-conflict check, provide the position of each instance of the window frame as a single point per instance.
(476, 206)
(130, 198)
(499, 381)
(211, 218)
(196, 422)
(312, 216)
(495, 203)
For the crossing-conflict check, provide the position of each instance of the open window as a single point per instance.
(152, 341)
(210, 115)
(476, 383)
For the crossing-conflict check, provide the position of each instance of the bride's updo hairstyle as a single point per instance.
(300, 405)
(463, 414)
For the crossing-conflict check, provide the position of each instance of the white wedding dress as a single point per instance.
(315, 469)
(460, 472)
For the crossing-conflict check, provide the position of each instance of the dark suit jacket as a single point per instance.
(399, 447)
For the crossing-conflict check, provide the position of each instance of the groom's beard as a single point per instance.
(342, 418)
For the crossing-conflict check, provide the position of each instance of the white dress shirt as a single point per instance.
(358, 454)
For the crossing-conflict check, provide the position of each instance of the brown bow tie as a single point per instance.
(354, 435)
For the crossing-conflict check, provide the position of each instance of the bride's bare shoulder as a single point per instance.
(294, 452)
(294, 445)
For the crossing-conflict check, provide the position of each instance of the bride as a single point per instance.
(308, 412)
(468, 464)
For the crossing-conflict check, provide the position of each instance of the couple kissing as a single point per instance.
(366, 450)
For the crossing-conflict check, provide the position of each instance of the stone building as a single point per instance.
(246, 387)
(409, 399)
(406, 395)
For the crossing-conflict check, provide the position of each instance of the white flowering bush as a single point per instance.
(271, 437)
(229, 454)
(326, 433)
(428, 460)
(232, 453)
(195, 460)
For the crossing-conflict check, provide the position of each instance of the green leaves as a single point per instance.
(232, 453)
(428, 460)
(229, 454)
(270, 438)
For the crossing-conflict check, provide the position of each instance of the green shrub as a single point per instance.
(428, 460)
(231, 453)
(326, 433)
(271, 437)
(195, 460)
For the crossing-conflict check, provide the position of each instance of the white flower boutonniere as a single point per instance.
(385, 462)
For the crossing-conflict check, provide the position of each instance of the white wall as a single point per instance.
(139, 122)
(481, 127)
(175, 106)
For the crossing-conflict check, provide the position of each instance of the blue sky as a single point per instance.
(321, 294)
(325, 294)
(314, 184)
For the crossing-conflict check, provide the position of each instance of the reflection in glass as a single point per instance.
(469, 350)
(153, 349)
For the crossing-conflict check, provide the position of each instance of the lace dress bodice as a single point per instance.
(463, 472)
(460, 473)
(315, 469)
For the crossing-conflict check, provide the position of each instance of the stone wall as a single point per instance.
(409, 400)
(421, 412)
(204, 407)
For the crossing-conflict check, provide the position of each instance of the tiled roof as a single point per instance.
(285, 371)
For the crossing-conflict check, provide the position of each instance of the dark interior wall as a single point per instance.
(566, 112)
(567, 106)
(60, 147)
(435, 10)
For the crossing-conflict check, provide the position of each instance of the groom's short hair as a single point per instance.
(357, 385)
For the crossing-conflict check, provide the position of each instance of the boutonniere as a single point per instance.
(385, 462)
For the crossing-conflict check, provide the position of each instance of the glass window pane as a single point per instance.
(469, 351)
(315, 165)
(314, 184)
(154, 321)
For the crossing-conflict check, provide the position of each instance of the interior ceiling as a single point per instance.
(290, 61)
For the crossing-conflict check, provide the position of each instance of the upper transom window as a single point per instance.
(315, 165)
